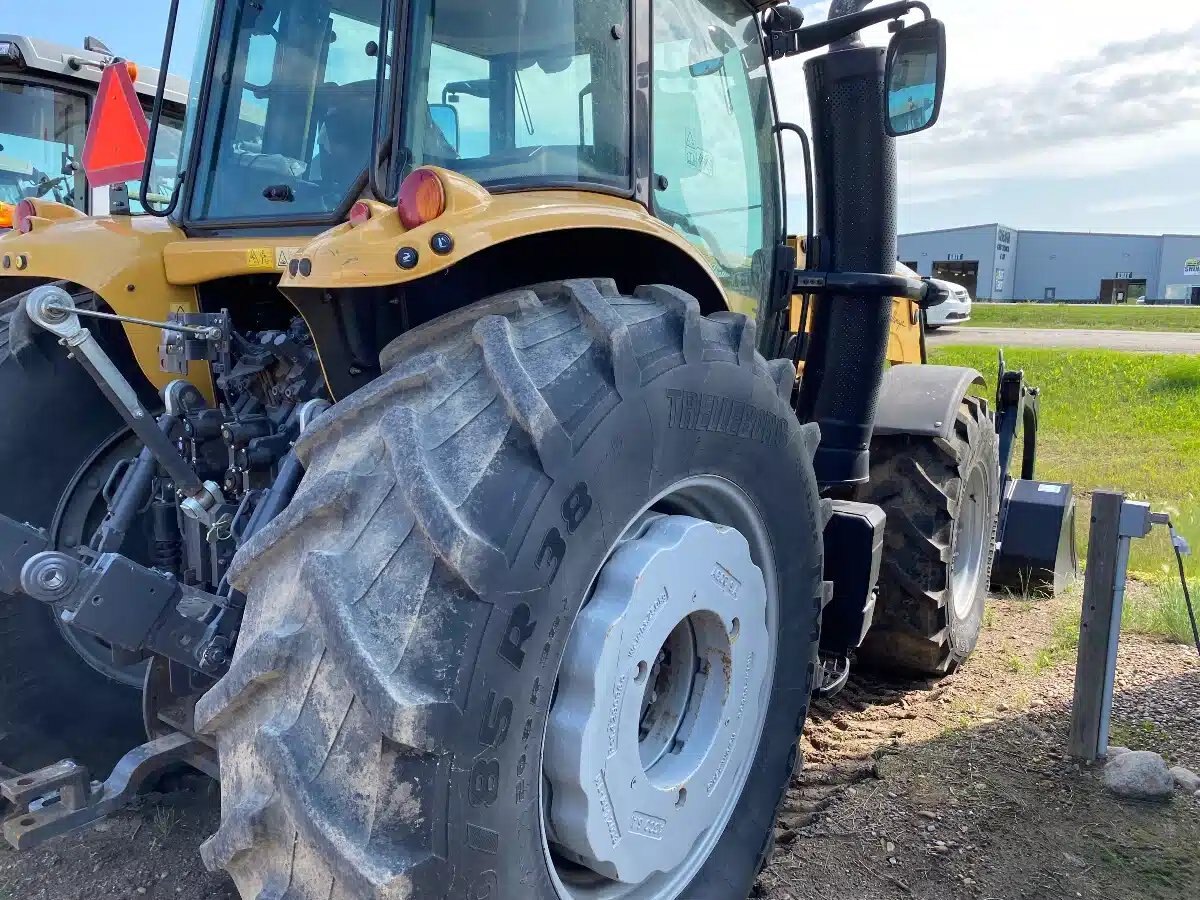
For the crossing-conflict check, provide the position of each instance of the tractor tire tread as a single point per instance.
(918, 482)
(365, 589)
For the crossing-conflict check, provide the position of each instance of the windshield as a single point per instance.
(287, 126)
(516, 92)
(41, 135)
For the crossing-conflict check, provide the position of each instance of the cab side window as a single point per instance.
(714, 156)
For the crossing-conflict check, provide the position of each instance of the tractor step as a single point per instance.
(832, 675)
(62, 797)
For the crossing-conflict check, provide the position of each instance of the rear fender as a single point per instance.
(120, 260)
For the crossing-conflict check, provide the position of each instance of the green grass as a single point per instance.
(1064, 642)
(1122, 421)
(1134, 317)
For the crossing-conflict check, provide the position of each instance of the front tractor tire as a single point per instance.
(941, 497)
(541, 620)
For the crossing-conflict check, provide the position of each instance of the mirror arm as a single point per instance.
(838, 29)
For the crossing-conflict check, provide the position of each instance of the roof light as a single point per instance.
(10, 55)
(132, 69)
(23, 216)
(422, 198)
(360, 213)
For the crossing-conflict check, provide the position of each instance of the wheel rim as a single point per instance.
(640, 705)
(79, 512)
(969, 546)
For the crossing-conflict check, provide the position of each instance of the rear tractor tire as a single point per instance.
(59, 440)
(541, 620)
(941, 498)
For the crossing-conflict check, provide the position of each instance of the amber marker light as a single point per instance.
(422, 198)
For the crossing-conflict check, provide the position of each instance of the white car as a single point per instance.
(954, 311)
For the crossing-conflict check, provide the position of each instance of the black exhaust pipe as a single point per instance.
(855, 166)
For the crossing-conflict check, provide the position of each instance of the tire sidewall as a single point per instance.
(637, 450)
(982, 453)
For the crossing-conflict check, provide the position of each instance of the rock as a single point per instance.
(1140, 775)
(1186, 779)
(1116, 751)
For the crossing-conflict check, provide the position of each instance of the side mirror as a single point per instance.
(445, 117)
(915, 78)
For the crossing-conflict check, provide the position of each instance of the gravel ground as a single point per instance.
(957, 789)
(963, 790)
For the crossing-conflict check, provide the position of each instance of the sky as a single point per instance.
(1080, 115)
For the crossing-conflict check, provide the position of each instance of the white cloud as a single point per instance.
(1143, 202)
(1070, 92)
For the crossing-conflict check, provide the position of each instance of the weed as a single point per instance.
(1145, 735)
(1160, 610)
(164, 819)
(1064, 641)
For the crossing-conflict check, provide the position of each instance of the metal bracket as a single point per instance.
(54, 310)
(128, 605)
(62, 797)
(868, 285)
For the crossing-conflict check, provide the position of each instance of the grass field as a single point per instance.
(1128, 422)
(1106, 318)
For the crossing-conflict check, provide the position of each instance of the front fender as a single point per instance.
(118, 258)
(922, 400)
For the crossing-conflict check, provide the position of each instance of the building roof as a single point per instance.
(1124, 234)
(71, 64)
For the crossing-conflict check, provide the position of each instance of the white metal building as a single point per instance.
(997, 262)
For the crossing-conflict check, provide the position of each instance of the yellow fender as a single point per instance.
(118, 258)
(360, 256)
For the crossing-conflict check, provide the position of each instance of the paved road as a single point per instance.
(1141, 341)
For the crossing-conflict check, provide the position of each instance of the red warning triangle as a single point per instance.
(115, 149)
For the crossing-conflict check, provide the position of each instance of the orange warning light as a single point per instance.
(6, 215)
(115, 148)
(133, 70)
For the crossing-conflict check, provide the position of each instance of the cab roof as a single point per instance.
(79, 66)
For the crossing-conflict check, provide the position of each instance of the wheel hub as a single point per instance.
(660, 686)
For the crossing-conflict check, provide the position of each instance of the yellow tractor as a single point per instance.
(495, 549)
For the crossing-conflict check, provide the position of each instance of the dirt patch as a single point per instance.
(151, 851)
(958, 789)
(962, 789)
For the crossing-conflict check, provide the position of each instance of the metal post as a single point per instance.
(1115, 522)
(1095, 625)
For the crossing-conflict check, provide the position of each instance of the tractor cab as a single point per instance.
(281, 114)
